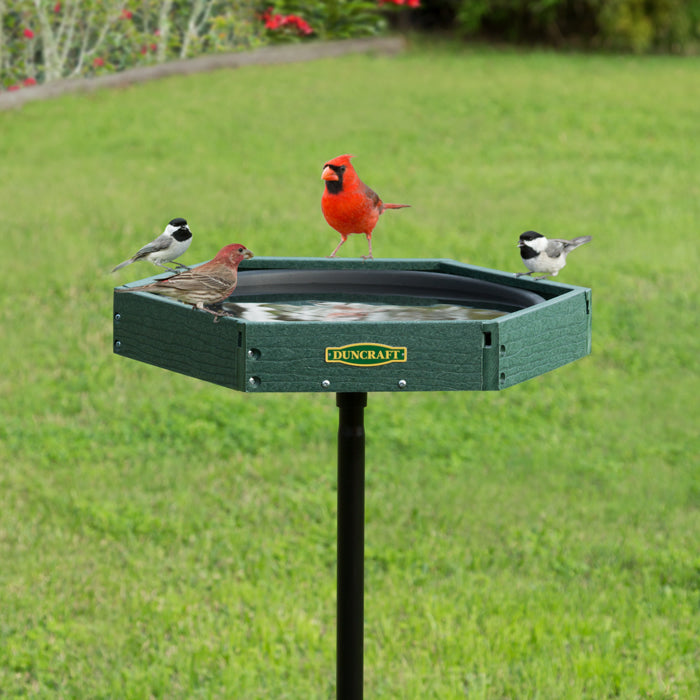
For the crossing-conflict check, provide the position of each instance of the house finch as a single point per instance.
(348, 204)
(171, 244)
(546, 255)
(209, 283)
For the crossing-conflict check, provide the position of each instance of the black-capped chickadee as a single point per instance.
(546, 255)
(171, 244)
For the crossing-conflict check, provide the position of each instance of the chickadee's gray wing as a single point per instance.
(161, 243)
(555, 247)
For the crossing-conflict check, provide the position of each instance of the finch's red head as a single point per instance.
(233, 254)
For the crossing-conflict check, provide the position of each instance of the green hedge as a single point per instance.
(630, 25)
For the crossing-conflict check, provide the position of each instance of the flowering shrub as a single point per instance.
(42, 41)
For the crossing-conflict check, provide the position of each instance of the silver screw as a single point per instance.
(325, 383)
(117, 344)
(254, 381)
(402, 383)
(117, 317)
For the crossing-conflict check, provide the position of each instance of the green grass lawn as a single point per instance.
(161, 537)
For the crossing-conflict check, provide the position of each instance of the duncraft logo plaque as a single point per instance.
(366, 354)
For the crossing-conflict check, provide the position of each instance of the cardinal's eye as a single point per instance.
(342, 168)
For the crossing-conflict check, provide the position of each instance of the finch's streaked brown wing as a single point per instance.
(197, 286)
(214, 281)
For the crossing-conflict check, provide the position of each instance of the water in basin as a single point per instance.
(339, 311)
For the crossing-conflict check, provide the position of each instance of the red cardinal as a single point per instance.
(209, 283)
(348, 204)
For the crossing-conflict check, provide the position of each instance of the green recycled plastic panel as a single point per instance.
(551, 329)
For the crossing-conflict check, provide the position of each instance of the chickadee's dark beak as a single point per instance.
(519, 244)
(329, 174)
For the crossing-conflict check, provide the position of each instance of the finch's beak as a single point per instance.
(329, 174)
(247, 255)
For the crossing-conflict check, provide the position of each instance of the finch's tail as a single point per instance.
(396, 206)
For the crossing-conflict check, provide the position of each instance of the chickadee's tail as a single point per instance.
(124, 264)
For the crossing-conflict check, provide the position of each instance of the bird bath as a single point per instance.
(350, 327)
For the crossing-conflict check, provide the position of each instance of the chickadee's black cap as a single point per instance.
(530, 236)
(178, 222)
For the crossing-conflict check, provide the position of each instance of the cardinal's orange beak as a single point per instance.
(329, 174)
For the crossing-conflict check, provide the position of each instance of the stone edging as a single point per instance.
(287, 53)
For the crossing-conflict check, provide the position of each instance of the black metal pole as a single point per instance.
(351, 545)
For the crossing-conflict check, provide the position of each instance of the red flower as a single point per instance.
(12, 88)
(154, 47)
(303, 27)
(278, 21)
(126, 14)
(57, 7)
(28, 33)
(144, 50)
(272, 21)
(98, 62)
(28, 82)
